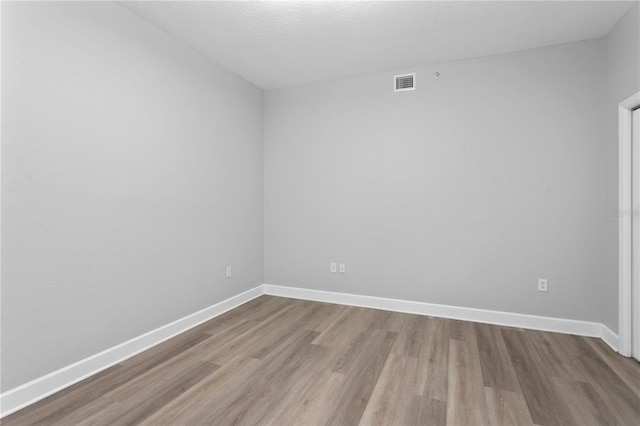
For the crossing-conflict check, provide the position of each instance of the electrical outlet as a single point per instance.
(333, 267)
(343, 268)
(228, 272)
(542, 284)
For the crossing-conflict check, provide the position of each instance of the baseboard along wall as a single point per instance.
(510, 319)
(35, 390)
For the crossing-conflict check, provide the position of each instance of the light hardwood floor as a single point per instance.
(291, 362)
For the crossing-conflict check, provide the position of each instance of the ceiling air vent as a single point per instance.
(404, 82)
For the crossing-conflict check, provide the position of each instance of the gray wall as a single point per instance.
(131, 176)
(463, 192)
(127, 189)
(622, 69)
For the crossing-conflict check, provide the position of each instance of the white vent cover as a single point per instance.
(404, 82)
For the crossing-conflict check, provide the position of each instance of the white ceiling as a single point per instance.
(277, 44)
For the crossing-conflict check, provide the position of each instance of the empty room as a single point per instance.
(320, 213)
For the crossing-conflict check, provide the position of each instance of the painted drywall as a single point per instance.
(622, 71)
(131, 177)
(463, 192)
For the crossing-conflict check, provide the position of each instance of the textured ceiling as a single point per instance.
(277, 44)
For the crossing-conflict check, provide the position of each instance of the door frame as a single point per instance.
(625, 218)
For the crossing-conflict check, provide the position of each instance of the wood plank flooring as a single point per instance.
(282, 361)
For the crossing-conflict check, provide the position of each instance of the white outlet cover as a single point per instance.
(542, 285)
(343, 268)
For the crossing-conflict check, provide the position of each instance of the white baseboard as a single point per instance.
(609, 337)
(35, 390)
(558, 325)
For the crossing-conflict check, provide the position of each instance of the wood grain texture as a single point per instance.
(507, 408)
(557, 360)
(621, 399)
(362, 378)
(584, 404)
(626, 368)
(542, 399)
(392, 393)
(425, 411)
(279, 361)
(432, 362)
(466, 402)
(497, 369)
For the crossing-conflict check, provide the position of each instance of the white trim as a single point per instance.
(635, 238)
(624, 224)
(510, 319)
(31, 392)
(35, 390)
(609, 337)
